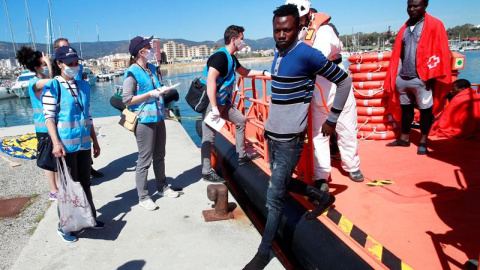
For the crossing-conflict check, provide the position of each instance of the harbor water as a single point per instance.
(15, 111)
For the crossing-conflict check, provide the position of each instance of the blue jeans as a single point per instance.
(283, 158)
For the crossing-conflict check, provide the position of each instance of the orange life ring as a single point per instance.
(366, 67)
(372, 135)
(369, 57)
(374, 119)
(368, 76)
(378, 127)
(367, 111)
(368, 85)
(371, 93)
(376, 102)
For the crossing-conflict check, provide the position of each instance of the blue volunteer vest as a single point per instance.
(153, 110)
(78, 77)
(224, 84)
(73, 125)
(38, 117)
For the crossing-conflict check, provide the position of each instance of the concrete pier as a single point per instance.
(173, 237)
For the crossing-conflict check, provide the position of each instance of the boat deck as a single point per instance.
(427, 219)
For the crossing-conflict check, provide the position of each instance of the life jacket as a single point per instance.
(37, 106)
(318, 20)
(73, 125)
(152, 112)
(224, 84)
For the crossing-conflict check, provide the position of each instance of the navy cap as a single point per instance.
(67, 55)
(137, 43)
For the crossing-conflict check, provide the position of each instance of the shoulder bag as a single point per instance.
(74, 210)
(129, 119)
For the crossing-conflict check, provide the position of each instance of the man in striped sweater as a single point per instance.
(294, 69)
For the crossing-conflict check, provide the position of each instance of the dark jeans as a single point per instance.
(79, 165)
(283, 158)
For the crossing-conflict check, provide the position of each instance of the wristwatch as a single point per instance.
(263, 73)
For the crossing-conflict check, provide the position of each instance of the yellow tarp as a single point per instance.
(24, 146)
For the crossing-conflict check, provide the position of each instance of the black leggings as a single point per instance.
(426, 117)
(407, 118)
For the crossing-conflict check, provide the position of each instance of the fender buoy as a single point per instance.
(372, 135)
(372, 67)
(368, 85)
(378, 127)
(372, 93)
(375, 102)
(369, 76)
(367, 111)
(370, 57)
(374, 119)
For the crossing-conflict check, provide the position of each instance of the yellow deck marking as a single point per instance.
(374, 247)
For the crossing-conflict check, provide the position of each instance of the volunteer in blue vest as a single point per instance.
(66, 106)
(219, 77)
(39, 63)
(142, 95)
(60, 42)
(322, 37)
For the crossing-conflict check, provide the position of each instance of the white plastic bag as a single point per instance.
(74, 210)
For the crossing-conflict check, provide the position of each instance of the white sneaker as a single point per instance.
(168, 192)
(148, 204)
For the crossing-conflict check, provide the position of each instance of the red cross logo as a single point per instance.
(433, 61)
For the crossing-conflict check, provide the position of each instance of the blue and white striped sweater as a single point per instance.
(293, 78)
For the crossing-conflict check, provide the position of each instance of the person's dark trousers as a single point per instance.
(426, 117)
(283, 157)
(334, 144)
(79, 165)
(407, 118)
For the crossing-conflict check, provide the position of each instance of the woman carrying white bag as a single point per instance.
(66, 105)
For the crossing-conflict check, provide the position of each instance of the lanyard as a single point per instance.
(73, 94)
(76, 100)
(148, 73)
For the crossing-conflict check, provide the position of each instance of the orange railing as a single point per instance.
(252, 99)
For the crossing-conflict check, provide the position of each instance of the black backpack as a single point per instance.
(197, 96)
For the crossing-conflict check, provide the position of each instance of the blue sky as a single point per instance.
(206, 20)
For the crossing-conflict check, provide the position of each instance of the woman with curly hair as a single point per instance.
(40, 64)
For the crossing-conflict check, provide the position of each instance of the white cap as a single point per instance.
(302, 5)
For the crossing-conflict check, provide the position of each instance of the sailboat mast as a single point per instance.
(52, 33)
(49, 50)
(11, 29)
(30, 29)
(79, 40)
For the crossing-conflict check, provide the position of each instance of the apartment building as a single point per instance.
(178, 52)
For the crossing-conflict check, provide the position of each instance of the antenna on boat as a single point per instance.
(79, 40)
(60, 29)
(11, 29)
(31, 33)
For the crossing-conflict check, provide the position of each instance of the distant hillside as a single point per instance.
(102, 48)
